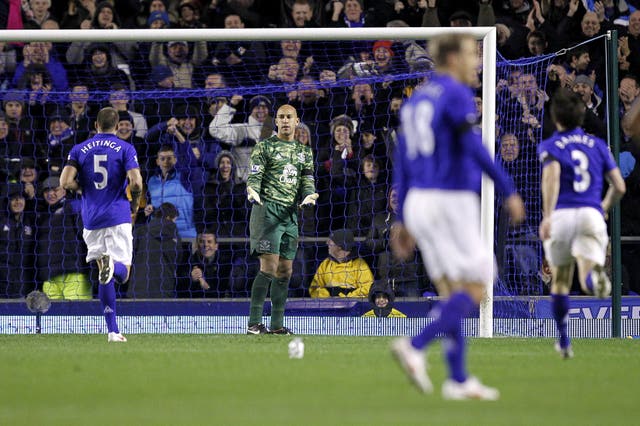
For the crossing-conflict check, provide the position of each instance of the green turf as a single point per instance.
(239, 380)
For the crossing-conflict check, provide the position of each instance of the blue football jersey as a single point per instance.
(440, 145)
(102, 163)
(584, 161)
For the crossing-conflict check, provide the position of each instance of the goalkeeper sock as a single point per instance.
(452, 312)
(279, 293)
(259, 291)
(119, 272)
(107, 295)
(560, 307)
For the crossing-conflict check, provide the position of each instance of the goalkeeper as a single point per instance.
(280, 175)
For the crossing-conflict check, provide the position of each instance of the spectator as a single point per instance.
(25, 133)
(61, 251)
(126, 132)
(407, 277)
(82, 118)
(583, 86)
(207, 271)
(39, 53)
(119, 99)
(99, 73)
(39, 13)
(158, 20)
(78, 12)
(240, 59)
(7, 65)
(160, 107)
(120, 54)
(28, 178)
(341, 274)
(195, 153)
(189, 15)
(629, 56)
(169, 185)
(368, 199)
(225, 208)
(410, 12)
(349, 13)
(60, 140)
(157, 250)
(242, 137)
(301, 14)
(381, 297)
(178, 58)
(337, 176)
(17, 245)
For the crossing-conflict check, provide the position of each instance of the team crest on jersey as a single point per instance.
(256, 168)
(301, 157)
(289, 174)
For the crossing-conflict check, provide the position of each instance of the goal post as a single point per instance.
(486, 35)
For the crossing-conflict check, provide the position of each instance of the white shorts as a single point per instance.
(579, 232)
(446, 226)
(116, 241)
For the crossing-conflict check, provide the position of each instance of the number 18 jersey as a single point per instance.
(102, 163)
(584, 161)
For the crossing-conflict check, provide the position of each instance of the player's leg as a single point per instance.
(562, 277)
(265, 236)
(259, 290)
(589, 248)
(279, 293)
(280, 286)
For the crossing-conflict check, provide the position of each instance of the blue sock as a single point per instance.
(450, 315)
(455, 351)
(107, 295)
(119, 272)
(560, 307)
(589, 283)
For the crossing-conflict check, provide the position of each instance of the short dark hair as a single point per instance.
(107, 119)
(166, 211)
(442, 46)
(567, 109)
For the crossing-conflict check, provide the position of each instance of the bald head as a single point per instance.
(286, 121)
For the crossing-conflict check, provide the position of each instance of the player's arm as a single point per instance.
(550, 188)
(257, 162)
(471, 140)
(135, 186)
(307, 182)
(68, 178)
(616, 189)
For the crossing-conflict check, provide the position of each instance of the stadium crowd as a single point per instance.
(195, 110)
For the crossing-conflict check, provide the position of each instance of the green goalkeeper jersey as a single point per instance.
(281, 171)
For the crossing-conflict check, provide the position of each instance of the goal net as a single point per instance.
(205, 97)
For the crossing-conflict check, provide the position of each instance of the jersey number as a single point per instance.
(98, 168)
(582, 178)
(417, 126)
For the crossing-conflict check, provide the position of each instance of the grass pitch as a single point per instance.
(246, 380)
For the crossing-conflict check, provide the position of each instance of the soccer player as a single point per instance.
(99, 169)
(439, 163)
(280, 173)
(573, 229)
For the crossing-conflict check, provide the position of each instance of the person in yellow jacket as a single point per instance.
(341, 274)
(381, 297)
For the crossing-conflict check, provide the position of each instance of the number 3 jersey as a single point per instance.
(102, 163)
(584, 161)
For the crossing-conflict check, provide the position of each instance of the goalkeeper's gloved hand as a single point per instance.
(253, 196)
(309, 200)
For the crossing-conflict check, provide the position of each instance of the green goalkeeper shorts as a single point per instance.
(273, 229)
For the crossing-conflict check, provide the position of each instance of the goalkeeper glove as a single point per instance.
(309, 200)
(253, 196)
